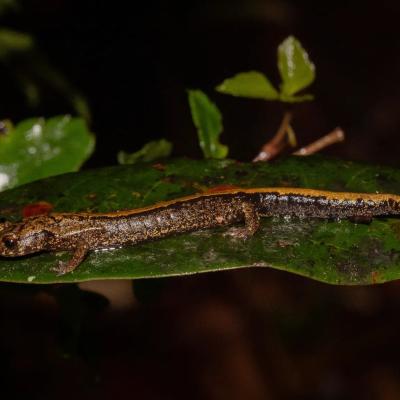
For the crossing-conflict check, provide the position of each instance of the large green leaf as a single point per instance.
(296, 69)
(37, 148)
(252, 84)
(340, 252)
(208, 121)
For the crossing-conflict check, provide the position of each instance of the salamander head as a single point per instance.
(26, 237)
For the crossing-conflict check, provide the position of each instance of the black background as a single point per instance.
(134, 62)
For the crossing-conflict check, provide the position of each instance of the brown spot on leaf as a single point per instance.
(39, 208)
(283, 243)
(159, 166)
(352, 270)
(91, 196)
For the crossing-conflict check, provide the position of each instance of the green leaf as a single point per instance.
(296, 70)
(36, 149)
(296, 99)
(252, 84)
(339, 252)
(208, 121)
(151, 151)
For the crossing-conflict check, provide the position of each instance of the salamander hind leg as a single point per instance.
(251, 223)
(77, 258)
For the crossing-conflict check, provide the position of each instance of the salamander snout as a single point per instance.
(20, 240)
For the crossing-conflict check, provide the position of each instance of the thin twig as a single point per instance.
(272, 148)
(336, 136)
(291, 136)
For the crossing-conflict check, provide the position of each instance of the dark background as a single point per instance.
(254, 334)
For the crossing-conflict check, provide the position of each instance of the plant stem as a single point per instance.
(272, 148)
(336, 136)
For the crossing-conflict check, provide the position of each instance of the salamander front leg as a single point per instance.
(251, 223)
(78, 256)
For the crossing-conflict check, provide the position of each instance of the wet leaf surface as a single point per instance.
(338, 252)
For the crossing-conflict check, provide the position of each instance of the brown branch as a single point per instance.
(336, 136)
(272, 148)
(291, 136)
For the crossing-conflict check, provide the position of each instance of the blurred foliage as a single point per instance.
(32, 70)
(151, 151)
(36, 148)
(208, 121)
(13, 42)
(8, 5)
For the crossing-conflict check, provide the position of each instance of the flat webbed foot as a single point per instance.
(64, 267)
(251, 223)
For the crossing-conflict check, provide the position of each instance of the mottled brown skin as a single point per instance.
(82, 232)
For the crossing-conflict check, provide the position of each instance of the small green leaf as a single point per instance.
(296, 99)
(296, 70)
(208, 121)
(252, 84)
(149, 152)
(36, 149)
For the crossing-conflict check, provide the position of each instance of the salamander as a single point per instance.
(82, 232)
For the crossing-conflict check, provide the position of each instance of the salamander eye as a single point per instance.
(10, 243)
